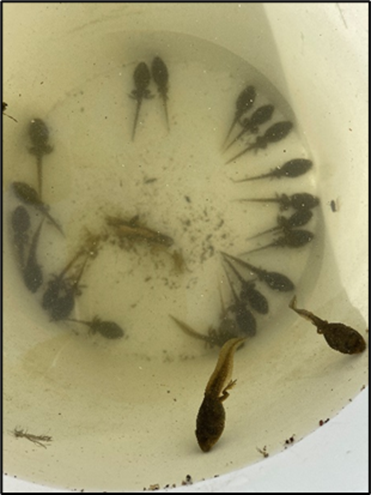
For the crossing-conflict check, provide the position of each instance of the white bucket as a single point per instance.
(316, 56)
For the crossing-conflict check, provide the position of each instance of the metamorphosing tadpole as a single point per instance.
(244, 102)
(338, 336)
(273, 134)
(211, 415)
(274, 280)
(142, 78)
(160, 75)
(291, 169)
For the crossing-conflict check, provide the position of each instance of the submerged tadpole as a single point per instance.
(142, 78)
(244, 102)
(39, 135)
(160, 75)
(297, 219)
(274, 280)
(291, 239)
(108, 329)
(297, 201)
(273, 134)
(291, 169)
(259, 117)
(29, 196)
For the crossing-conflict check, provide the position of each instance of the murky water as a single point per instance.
(177, 183)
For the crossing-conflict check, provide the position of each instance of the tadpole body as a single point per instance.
(39, 135)
(108, 329)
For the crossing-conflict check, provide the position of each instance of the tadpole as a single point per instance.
(259, 117)
(244, 318)
(39, 135)
(274, 280)
(297, 219)
(59, 297)
(291, 239)
(291, 169)
(244, 102)
(338, 336)
(248, 293)
(142, 78)
(160, 75)
(29, 196)
(107, 329)
(297, 201)
(273, 134)
(9, 116)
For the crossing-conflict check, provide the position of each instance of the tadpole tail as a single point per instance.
(238, 275)
(164, 101)
(78, 321)
(39, 163)
(257, 200)
(253, 178)
(70, 263)
(244, 131)
(273, 229)
(240, 154)
(260, 248)
(234, 122)
(50, 218)
(187, 329)
(306, 314)
(259, 272)
(139, 104)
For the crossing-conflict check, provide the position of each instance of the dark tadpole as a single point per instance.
(273, 134)
(142, 78)
(297, 219)
(274, 280)
(107, 329)
(291, 239)
(248, 293)
(9, 116)
(160, 75)
(244, 318)
(59, 298)
(29, 196)
(39, 135)
(297, 201)
(244, 102)
(338, 336)
(291, 169)
(32, 271)
(251, 125)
